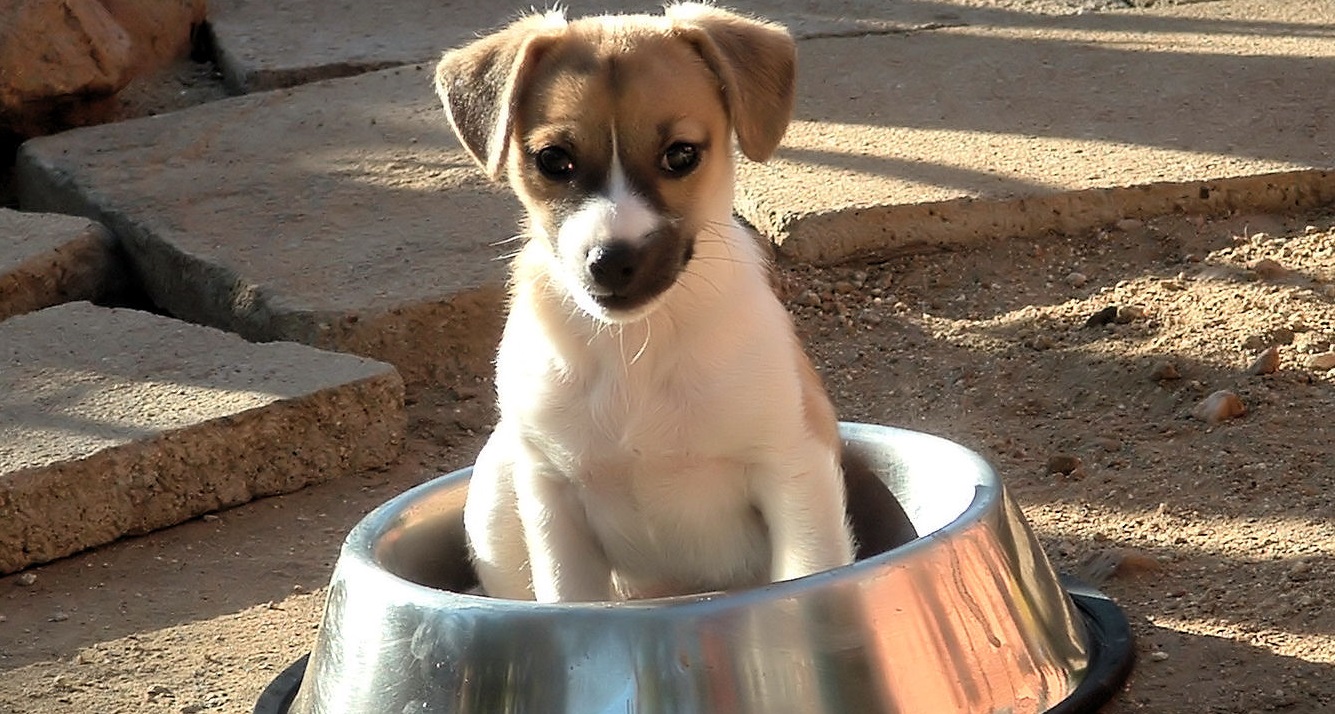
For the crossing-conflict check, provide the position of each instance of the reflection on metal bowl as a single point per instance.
(968, 618)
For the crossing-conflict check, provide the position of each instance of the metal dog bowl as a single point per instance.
(968, 618)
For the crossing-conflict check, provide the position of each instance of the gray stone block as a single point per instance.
(340, 214)
(1021, 125)
(115, 422)
(47, 259)
(283, 43)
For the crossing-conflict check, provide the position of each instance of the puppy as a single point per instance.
(661, 431)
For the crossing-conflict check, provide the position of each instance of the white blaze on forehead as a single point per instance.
(617, 213)
(632, 217)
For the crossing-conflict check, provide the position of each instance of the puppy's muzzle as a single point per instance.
(622, 275)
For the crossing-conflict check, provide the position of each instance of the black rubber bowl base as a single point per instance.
(278, 696)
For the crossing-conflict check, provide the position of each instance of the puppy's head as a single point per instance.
(616, 133)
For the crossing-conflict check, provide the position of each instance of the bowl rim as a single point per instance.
(359, 545)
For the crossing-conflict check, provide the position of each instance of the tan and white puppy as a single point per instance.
(661, 430)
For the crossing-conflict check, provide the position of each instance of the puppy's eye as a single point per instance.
(680, 159)
(555, 163)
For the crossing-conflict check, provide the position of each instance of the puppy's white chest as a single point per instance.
(661, 485)
(597, 426)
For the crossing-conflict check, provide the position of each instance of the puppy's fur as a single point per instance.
(661, 431)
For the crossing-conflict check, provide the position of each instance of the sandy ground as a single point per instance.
(1223, 532)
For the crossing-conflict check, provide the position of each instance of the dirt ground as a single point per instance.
(1225, 532)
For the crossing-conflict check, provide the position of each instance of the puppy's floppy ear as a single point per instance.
(756, 62)
(478, 84)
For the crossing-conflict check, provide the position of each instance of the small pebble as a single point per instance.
(1280, 336)
(1043, 342)
(1158, 656)
(809, 298)
(1108, 444)
(1217, 273)
(1128, 313)
(1312, 344)
(1321, 362)
(210, 518)
(1219, 407)
(1077, 279)
(1102, 317)
(843, 287)
(1064, 464)
(1265, 363)
(58, 617)
(26, 579)
(1129, 224)
(1098, 567)
(1269, 269)
(1165, 371)
(1301, 570)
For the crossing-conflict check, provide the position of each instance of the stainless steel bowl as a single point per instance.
(968, 618)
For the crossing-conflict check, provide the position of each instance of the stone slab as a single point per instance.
(1040, 124)
(340, 214)
(1008, 118)
(115, 422)
(283, 43)
(47, 259)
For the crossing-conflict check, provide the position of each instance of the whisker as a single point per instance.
(701, 276)
(598, 327)
(648, 331)
(720, 259)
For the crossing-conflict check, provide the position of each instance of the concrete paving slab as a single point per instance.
(1033, 124)
(1003, 121)
(116, 422)
(339, 214)
(47, 259)
(283, 43)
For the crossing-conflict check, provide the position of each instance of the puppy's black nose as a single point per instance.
(612, 266)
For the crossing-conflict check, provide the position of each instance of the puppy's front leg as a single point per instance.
(567, 562)
(802, 502)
